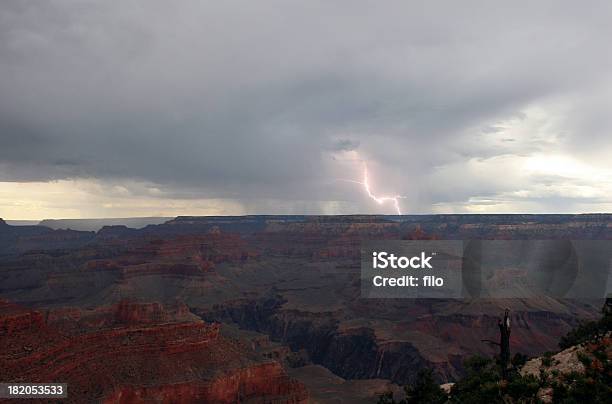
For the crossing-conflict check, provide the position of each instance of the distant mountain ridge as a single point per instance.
(97, 224)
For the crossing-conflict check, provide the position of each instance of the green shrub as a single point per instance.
(522, 388)
(547, 360)
(518, 360)
(591, 330)
(483, 384)
(424, 390)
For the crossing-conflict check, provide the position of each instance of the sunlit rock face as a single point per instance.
(137, 353)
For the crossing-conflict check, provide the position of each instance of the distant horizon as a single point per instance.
(95, 224)
(315, 214)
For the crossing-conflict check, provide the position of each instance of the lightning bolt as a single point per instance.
(378, 199)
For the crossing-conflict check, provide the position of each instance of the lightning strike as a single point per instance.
(378, 199)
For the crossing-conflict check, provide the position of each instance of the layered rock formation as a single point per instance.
(127, 354)
(19, 239)
(293, 279)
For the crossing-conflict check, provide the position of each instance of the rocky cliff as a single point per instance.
(292, 279)
(129, 358)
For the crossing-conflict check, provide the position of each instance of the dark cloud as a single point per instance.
(245, 100)
(345, 145)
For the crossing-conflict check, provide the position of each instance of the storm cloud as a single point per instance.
(271, 106)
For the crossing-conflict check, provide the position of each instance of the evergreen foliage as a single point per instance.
(591, 330)
(483, 382)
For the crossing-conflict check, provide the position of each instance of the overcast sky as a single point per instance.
(143, 108)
